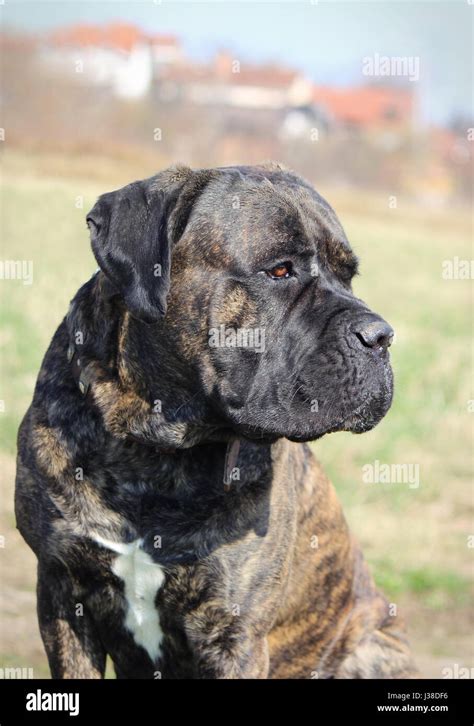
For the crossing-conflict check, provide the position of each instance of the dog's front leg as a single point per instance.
(224, 647)
(68, 633)
(243, 659)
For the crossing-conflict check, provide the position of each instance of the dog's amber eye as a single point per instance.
(280, 271)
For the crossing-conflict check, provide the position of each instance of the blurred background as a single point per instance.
(373, 103)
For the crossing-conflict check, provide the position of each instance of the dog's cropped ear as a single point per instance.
(132, 237)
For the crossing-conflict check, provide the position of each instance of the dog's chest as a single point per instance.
(142, 579)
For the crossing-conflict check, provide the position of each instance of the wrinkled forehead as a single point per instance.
(263, 218)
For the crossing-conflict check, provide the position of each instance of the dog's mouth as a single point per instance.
(334, 417)
(357, 423)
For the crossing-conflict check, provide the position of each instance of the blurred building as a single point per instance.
(118, 56)
(367, 107)
(132, 64)
(385, 114)
(228, 82)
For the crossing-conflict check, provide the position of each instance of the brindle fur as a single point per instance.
(262, 581)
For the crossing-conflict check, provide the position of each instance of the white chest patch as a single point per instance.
(142, 579)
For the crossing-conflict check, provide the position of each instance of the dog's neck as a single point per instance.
(182, 497)
(160, 404)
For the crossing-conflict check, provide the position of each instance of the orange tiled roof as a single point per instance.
(365, 105)
(122, 36)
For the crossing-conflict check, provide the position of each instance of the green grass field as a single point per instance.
(416, 539)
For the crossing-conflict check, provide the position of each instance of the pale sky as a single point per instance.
(326, 40)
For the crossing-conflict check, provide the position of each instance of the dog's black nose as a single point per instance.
(375, 334)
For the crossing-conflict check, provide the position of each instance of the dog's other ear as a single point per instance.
(132, 236)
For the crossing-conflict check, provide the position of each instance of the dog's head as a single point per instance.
(244, 275)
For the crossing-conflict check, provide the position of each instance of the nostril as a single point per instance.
(385, 341)
(377, 335)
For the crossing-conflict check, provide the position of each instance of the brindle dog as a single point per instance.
(159, 542)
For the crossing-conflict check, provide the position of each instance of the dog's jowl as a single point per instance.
(181, 523)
